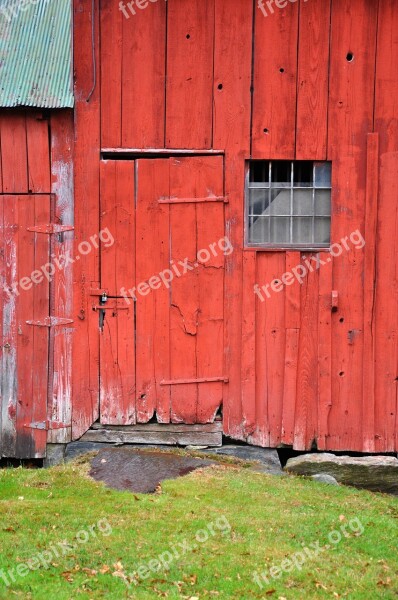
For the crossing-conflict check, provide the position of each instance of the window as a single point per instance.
(288, 204)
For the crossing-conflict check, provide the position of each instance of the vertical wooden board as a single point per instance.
(118, 226)
(9, 326)
(14, 153)
(153, 303)
(305, 420)
(270, 359)
(111, 56)
(210, 336)
(61, 303)
(275, 82)
(292, 324)
(117, 336)
(185, 181)
(351, 103)
(312, 80)
(3, 297)
(37, 133)
(231, 131)
(248, 364)
(386, 317)
(86, 270)
(189, 90)
(144, 77)
(372, 185)
(39, 297)
(324, 353)
(32, 341)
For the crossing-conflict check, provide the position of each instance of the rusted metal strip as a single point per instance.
(51, 322)
(200, 380)
(50, 228)
(193, 200)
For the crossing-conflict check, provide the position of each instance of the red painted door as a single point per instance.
(24, 331)
(160, 302)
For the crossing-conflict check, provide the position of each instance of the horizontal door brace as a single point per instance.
(51, 228)
(190, 200)
(47, 425)
(51, 322)
(200, 380)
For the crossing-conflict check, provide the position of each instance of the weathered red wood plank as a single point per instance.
(270, 359)
(275, 83)
(292, 324)
(231, 130)
(9, 326)
(248, 364)
(386, 316)
(37, 133)
(210, 337)
(324, 352)
(189, 90)
(14, 153)
(60, 397)
(117, 347)
(86, 270)
(305, 420)
(143, 77)
(184, 290)
(312, 82)
(372, 189)
(153, 306)
(111, 32)
(353, 45)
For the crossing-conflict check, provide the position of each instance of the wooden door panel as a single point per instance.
(172, 322)
(116, 319)
(25, 337)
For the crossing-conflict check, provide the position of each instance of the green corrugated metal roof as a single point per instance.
(36, 53)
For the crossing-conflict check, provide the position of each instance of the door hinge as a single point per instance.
(47, 425)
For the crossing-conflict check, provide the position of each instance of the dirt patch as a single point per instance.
(140, 472)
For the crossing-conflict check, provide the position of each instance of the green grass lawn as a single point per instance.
(202, 536)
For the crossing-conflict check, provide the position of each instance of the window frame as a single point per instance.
(271, 246)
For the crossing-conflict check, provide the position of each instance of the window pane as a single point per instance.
(302, 230)
(322, 230)
(280, 202)
(322, 202)
(323, 175)
(303, 173)
(258, 202)
(259, 230)
(281, 173)
(302, 202)
(259, 172)
(280, 230)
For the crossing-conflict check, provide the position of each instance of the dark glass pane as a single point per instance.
(281, 173)
(303, 173)
(259, 171)
(258, 202)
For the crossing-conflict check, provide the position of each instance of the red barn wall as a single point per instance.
(186, 74)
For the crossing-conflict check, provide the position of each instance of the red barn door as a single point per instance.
(160, 303)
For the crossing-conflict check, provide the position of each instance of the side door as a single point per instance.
(160, 302)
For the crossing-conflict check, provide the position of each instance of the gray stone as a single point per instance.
(267, 458)
(55, 455)
(324, 478)
(376, 473)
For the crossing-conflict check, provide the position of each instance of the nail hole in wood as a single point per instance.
(350, 57)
